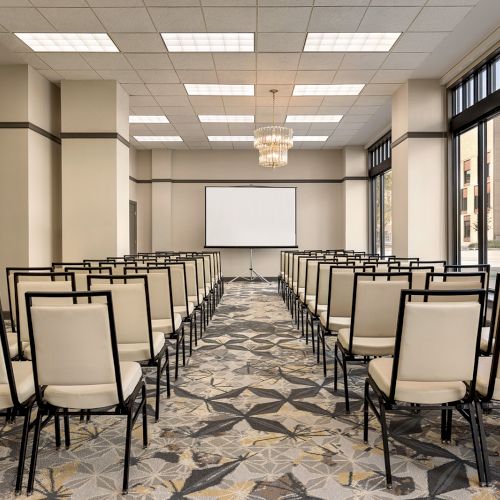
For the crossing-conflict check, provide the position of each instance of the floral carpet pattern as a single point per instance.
(251, 416)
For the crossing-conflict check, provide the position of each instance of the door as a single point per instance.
(132, 220)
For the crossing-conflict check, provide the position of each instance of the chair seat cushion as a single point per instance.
(312, 306)
(335, 323)
(12, 341)
(25, 385)
(483, 378)
(182, 310)
(26, 349)
(194, 300)
(141, 351)
(367, 346)
(485, 338)
(380, 370)
(165, 325)
(86, 397)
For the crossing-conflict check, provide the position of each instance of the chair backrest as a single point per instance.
(81, 274)
(438, 266)
(375, 303)
(469, 268)
(495, 316)
(455, 281)
(190, 265)
(6, 372)
(59, 267)
(21, 287)
(200, 271)
(130, 307)
(339, 292)
(73, 344)
(437, 340)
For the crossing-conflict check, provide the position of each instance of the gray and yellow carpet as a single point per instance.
(252, 417)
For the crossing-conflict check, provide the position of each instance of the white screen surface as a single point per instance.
(249, 217)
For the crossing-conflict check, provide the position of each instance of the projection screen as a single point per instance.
(250, 217)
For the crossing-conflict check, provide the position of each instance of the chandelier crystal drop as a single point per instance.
(273, 143)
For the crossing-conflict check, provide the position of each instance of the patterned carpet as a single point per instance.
(252, 417)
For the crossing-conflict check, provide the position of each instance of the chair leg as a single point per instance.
(346, 386)
(22, 450)
(484, 445)
(167, 370)
(67, 437)
(335, 367)
(34, 453)
(385, 443)
(144, 417)
(312, 334)
(477, 444)
(57, 428)
(307, 326)
(365, 411)
(128, 442)
(191, 337)
(318, 340)
(183, 348)
(324, 354)
(158, 379)
(195, 329)
(177, 342)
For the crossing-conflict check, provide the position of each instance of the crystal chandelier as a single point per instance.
(273, 143)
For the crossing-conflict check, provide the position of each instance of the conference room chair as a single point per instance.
(58, 267)
(76, 366)
(298, 282)
(209, 281)
(489, 333)
(134, 332)
(281, 274)
(439, 378)
(372, 331)
(35, 282)
(163, 317)
(17, 395)
(202, 291)
(81, 273)
(438, 265)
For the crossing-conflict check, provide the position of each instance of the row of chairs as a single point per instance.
(419, 325)
(81, 334)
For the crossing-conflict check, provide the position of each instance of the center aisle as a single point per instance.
(251, 416)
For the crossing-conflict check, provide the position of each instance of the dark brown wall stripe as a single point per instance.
(419, 135)
(95, 135)
(248, 181)
(30, 126)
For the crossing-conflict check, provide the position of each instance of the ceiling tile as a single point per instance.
(231, 101)
(339, 100)
(304, 110)
(51, 3)
(356, 118)
(125, 20)
(363, 110)
(216, 128)
(368, 100)
(107, 61)
(73, 20)
(362, 61)
(212, 110)
(309, 61)
(121, 75)
(24, 20)
(194, 76)
(434, 18)
(402, 60)
(280, 42)
(188, 60)
(146, 110)
(229, 19)
(59, 61)
(293, 19)
(346, 3)
(150, 61)
(115, 3)
(388, 19)
(392, 76)
(451, 3)
(353, 76)
(286, 3)
(303, 77)
(267, 100)
(178, 19)
(237, 77)
(283, 90)
(418, 42)
(162, 128)
(12, 43)
(331, 110)
(279, 61)
(141, 100)
(282, 77)
(135, 89)
(166, 89)
(234, 61)
(306, 101)
(380, 88)
(50, 74)
(138, 42)
(335, 19)
(33, 60)
(158, 76)
(203, 100)
(78, 75)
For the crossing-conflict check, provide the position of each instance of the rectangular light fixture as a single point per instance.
(230, 138)
(68, 42)
(226, 118)
(148, 119)
(209, 42)
(350, 42)
(344, 89)
(218, 89)
(310, 138)
(157, 138)
(313, 118)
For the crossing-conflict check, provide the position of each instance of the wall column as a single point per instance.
(355, 199)
(419, 170)
(30, 210)
(95, 169)
(161, 200)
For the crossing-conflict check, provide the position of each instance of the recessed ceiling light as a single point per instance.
(313, 118)
(349, 89)
(230, 138)
(157, 138)
(148, 119)
(209, 42)
(217, 89)
(226, 118)
(310, 138)
(68, 42)
(350, 42)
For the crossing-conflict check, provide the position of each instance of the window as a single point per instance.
(495, 74)
(476, 198)
(466, 172)
(464, 200)
(467, 228)
(379, 157)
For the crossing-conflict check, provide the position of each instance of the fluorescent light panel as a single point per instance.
(226, 118)
(313, 118)
(230, 138)
(148, 119)
(350, 42)
(68, 42)
(209, 42)
(344, 89)
(157, 138)
(217, 89)
(310, 138)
